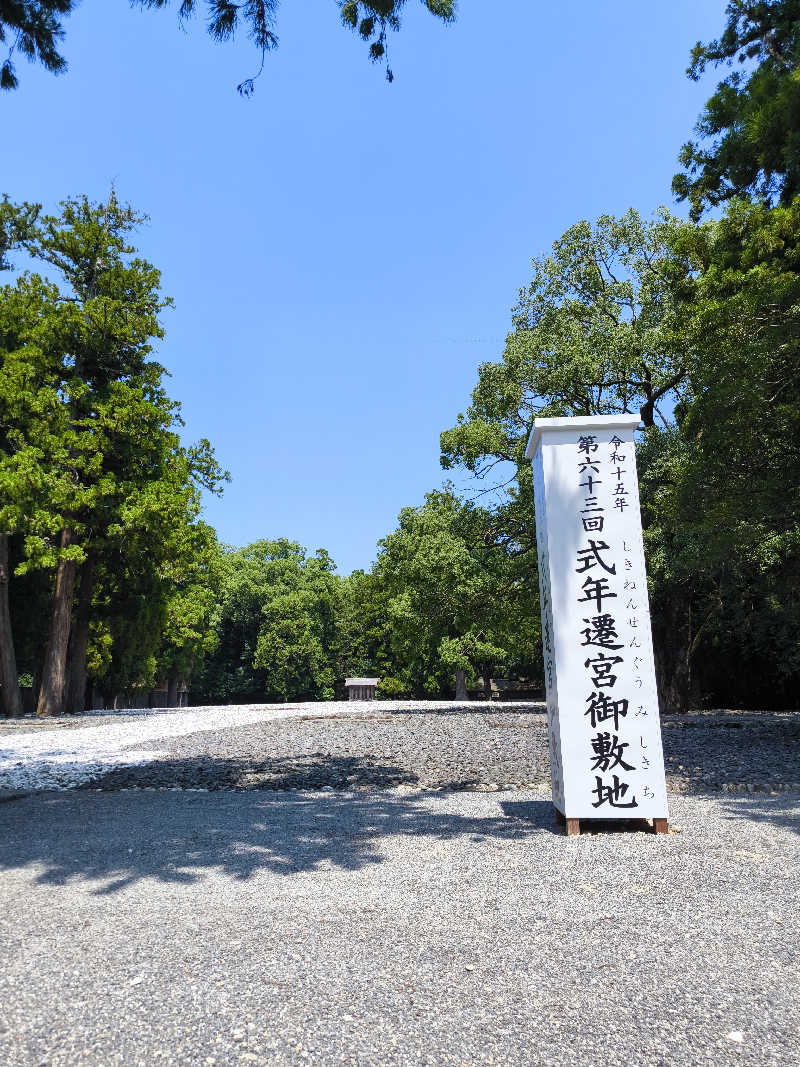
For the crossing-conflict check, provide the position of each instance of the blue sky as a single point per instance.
(343, 252)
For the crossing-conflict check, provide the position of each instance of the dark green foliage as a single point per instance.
(34, 28)
(713, 314)
(365, 628)
(89, 446)
(391, 688)
(460, 593)
(30, 610)
(749, 132)
(276, 626)
(17, 225)
(723, 509)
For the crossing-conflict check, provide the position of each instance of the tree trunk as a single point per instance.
(487, 684)
(461, 686)
(10, 696)
(172, 691)
(672, 640)
(79, 639)
(54, 669)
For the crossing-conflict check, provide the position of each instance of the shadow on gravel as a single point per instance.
(777, 811)
(707, 752)
(117, 839)
(311, 771)
(530, 811)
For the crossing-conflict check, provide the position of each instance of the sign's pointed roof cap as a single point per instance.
(578, 422)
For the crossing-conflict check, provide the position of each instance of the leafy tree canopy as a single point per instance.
(723, 514)
(595, 332)
(749, 131)
(276, 625)
(365, 628)
(34, 28)
(17, 224)
(461, 592)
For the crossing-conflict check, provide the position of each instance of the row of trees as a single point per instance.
(109, 579)
(696, 327)
(451, 595)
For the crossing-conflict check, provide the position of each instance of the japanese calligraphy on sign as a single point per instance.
(605, 737)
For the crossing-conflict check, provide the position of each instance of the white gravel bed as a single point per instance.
(64, 759)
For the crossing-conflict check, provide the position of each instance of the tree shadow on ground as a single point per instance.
(782, 810)
(312, 770)
(116, 839)
(705, 753)
(315, 770)
(528, 810)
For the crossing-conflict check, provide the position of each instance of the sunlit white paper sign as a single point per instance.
(605, 739)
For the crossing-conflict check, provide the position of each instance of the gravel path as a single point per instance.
(392, 927)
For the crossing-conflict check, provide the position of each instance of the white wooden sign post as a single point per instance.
(606, 760)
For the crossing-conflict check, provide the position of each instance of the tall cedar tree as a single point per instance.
(16, 226)
(749, 131)
(89, 428)
(111, 303)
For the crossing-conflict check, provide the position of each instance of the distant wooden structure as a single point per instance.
(509, 689)
(158, 697)
(361, 688)
(139, 697)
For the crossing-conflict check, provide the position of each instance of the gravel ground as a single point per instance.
(61, 758)
(393, 927)
(30, 724)
(376, 745)
(450, 749)
(360, 884)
